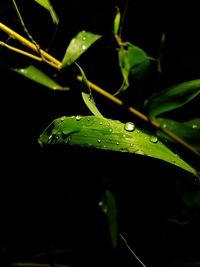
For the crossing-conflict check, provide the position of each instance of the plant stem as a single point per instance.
(132, 252)
(57, 64)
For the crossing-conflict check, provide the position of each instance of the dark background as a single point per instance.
(49, 196)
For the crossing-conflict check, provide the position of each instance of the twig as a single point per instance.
(132, 252)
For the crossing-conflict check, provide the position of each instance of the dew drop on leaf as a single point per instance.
(78, 117)
(129, 126)
(154, 139)
(194, 126)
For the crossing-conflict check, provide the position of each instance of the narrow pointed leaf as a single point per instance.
(188, 131)
(117, 20)
(40, 77)
(172, 97)
(102, 133)
(78, 45)
(87, 96)
(132, 61)
(47, 5)
(108, 206)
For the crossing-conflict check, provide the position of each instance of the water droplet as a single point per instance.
(117, 143)
(154, 139)
(140, 152)
(129, 126)
(100, 203)
(164, 126)
(194, 126)
(62, 119)
(99, 141)
(101, 123)
(108, 124)
(83, 47)
(78, 117)
(84, 38)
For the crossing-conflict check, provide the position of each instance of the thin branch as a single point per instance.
(57, 64)
(132, 252)
(24, 26)
(45, 56)
(17, 50)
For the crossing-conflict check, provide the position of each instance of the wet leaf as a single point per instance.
(78, 45)
(87, 95)
(107, 134)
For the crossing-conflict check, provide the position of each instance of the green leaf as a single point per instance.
(103, 133)
(40, 77)
(87, 96)
(117, 22)
(188, 131)
(108, 206)
(172, 97)
(132, 61)
(47, 5)
(78, 45)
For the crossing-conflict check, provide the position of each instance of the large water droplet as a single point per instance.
(78, 117)
(194, 126)
(83, 47)
(99, 140)
(129, 126)
(154, 139)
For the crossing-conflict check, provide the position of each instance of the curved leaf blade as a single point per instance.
(87, 96)
(109, 207)
(188, 131)
(40, 77)
(172, 97)
(103, 133)
(48, 6)
(132, 61)
(78, 45)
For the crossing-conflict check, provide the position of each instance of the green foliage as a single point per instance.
(173, 97)
(78, 45)
(188, 130)
(47, 5)
(36, 75)
(107, 134)
(109, 208)
(133, 61)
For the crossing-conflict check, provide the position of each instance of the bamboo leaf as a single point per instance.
(108, 206)
(172, 97)
(188, 131)
(87, 96)
(78, 45)
(40, 77)
(107, 134)
(47, 5)
(117, 20)
(132, 61)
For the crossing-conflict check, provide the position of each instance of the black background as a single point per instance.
(49, 196)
